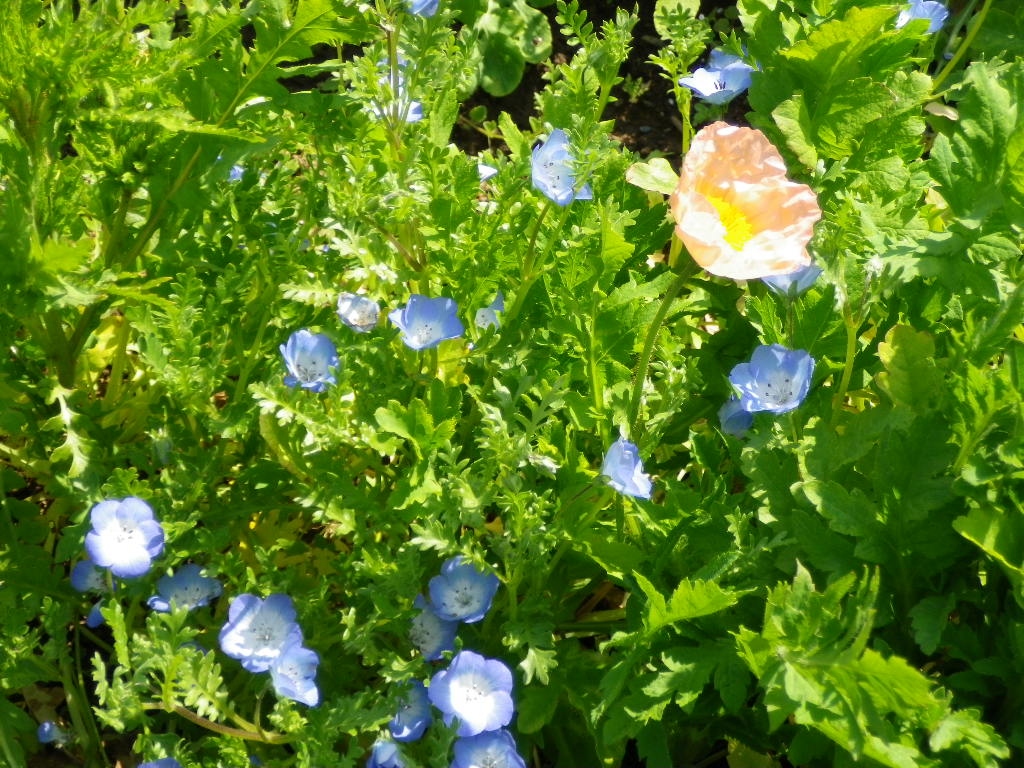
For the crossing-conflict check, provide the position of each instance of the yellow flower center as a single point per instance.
(737, 226)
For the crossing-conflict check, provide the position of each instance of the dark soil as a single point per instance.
(649, 124)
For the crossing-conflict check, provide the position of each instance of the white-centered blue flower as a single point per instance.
(475, 691)
(293, 674)
(426, 322)
(488, 316)
(360, 313)
(625, 471)
(431, 634)
(725, 77)
(163, 762)
(385, 754)
(552, 170)
(793, 284)
(125, 537)
(311, 360)
(734, 420)
(258, 631)
(413, 716)
(934, 12)
(490, 749)
(776, 379)
(461, 592)
(51, 733)
(187, 589)
(423, 7)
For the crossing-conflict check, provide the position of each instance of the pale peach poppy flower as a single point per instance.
(735, 210)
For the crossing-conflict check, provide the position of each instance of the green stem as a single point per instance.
(640, 374)
(249, 732)
(961, 51)
(852, 329)
(529, 275)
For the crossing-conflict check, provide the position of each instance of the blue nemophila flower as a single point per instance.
(236, 173)
(413, 716)
(475, 691)
(360, 313)
(490, 749)
(125, 537)
(430, 633)
(95, 617)
(426, 322)
(461, 592)
(258, 631)
(486, 171)
(775, 380)
(187, 589)
(488, 316)
(552, 170)
(934, 12)
(793, 284)
(735, 421)
(86, 576)
(625, 471)
(311, 359)
(385, 754)
(423, 7)
(725, 77)
(163, 762)
(293, 674)
(51, 733)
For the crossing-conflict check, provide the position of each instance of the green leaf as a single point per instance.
(689, 600)
(911, 376)
(654, 175)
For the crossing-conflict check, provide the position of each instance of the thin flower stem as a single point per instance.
(640, 374)
(851, 352)
(530, 270)
(972, 32)
(250, 732)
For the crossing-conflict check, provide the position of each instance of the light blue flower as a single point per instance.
(552, 171)
(95, 617)
(51, 733)
(187, 589)
(86, 576)
(486, 171)
(494, 749)
(488, 316)
(258, 631)
(625, 471)
(163, 762)
(125, 537)
(461, 592)
(793, 284)
(385, 754)
(360, 313)
(413, 716)
(236, 173)
(735, 421)
(311, 359)
(426, 322)
(775, 380)
(423, 7)
(293, 674)
(431, 634)
(475, 691)
(933, 12)
(725, 77)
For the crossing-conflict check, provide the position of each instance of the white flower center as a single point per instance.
(468, 692)
(309, 369)
(777, 389)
